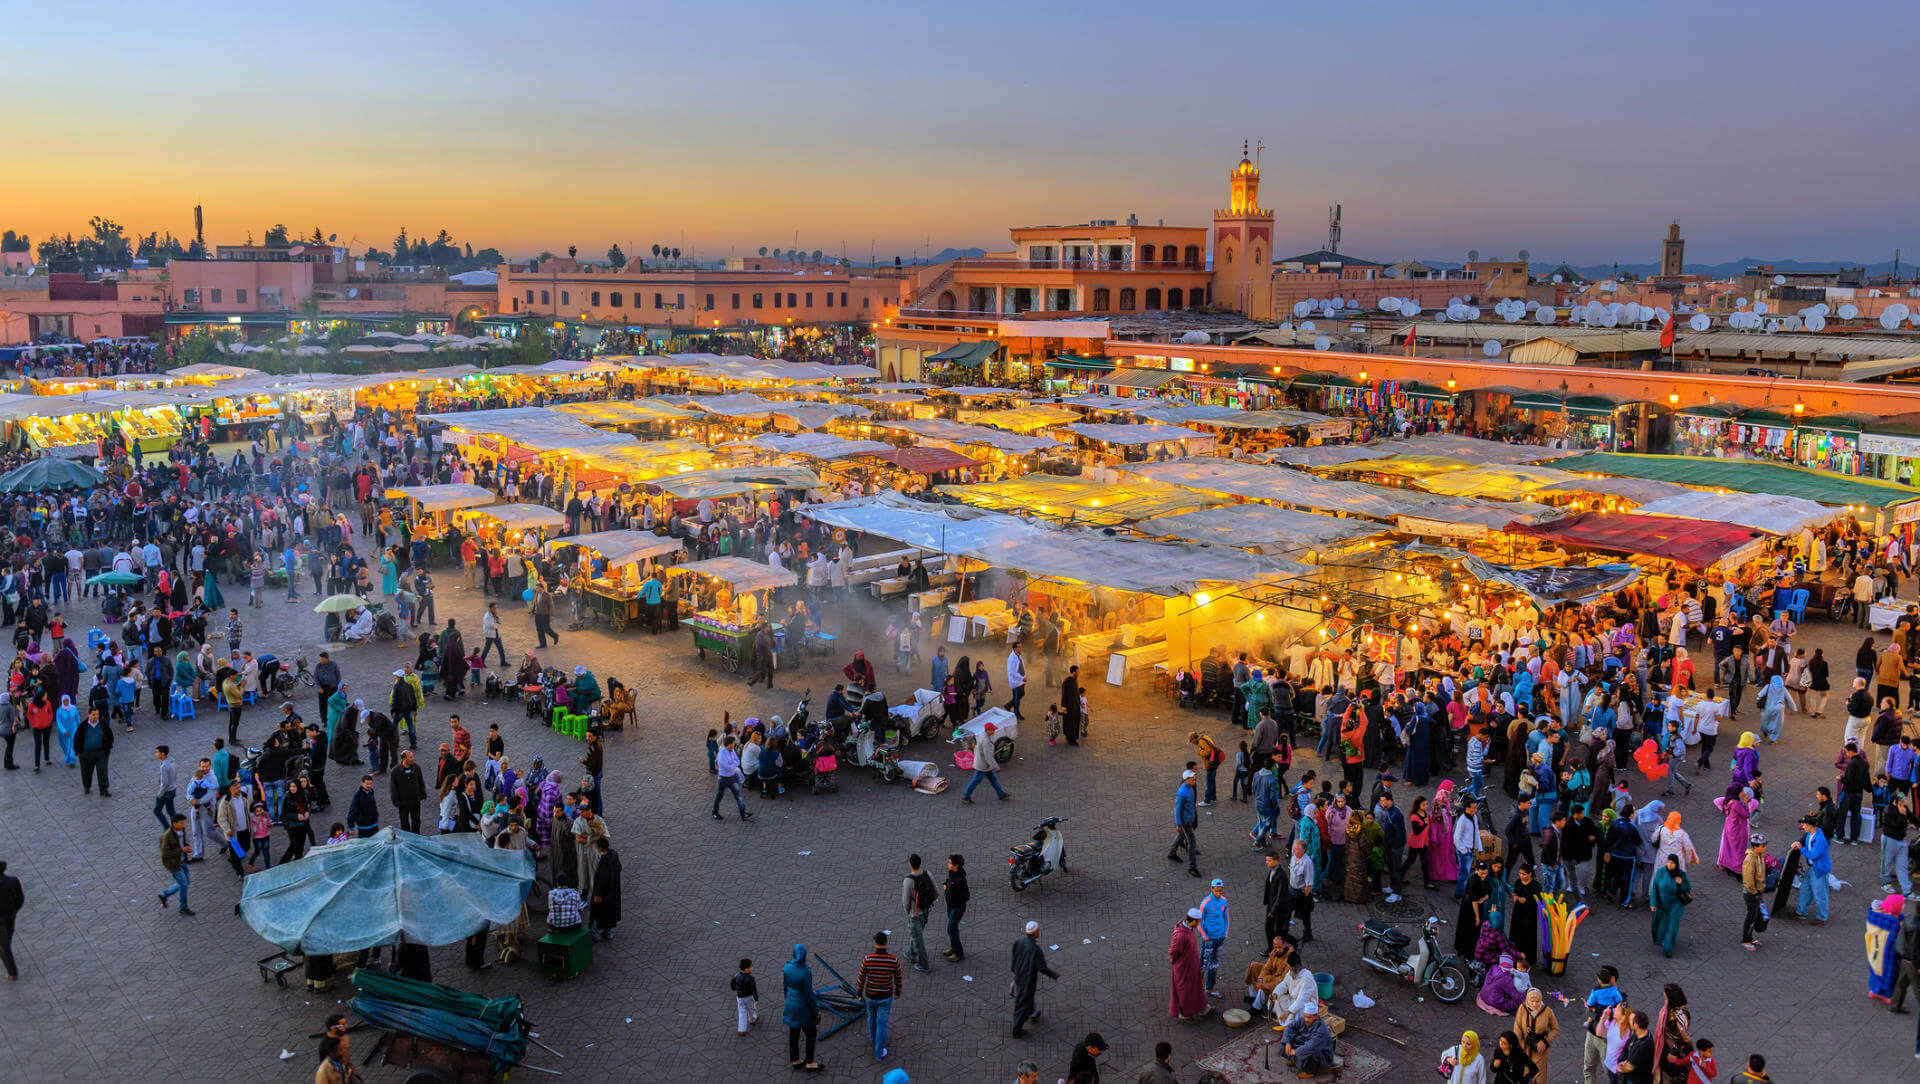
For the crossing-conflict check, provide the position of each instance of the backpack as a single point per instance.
(924, 894)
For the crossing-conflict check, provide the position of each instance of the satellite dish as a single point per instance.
(1441, 318)
(1791, 323)
(1473, 313)
(1306, 325)
(1762, 308)
(1849, 311)
(1524, 255)
(1492, 348)
(1329, 310)
(1610, 320)
(1662, 315)
(1196, 338)
(1452, 301)
(1514, 316)
(1913, 291)
(1741, 302)
(1700, 322)
(1389, 304)
(1816, 322)
(1533, 306)
(1322, 343)
(1301, 308)
(1822, 310)
(1773, 327)
(1889, 321)
(1556, 278)
(1779, 280)
(1544, 315)
(1410, 307)
(1899, 310)
(353, 291)
(1288, 326)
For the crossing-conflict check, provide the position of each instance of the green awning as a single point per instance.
(1593, 405)
(1764, 417)
(1310, 381)
(1744, 476)
(1540, 400)
(1722, 412)
(1413, 389)
(967, 355)
(1843, 424)
(247, 319)
(1080, 361)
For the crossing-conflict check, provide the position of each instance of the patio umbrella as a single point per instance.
(339, 604)
(116, 579)
(391, 886)
(50, 472)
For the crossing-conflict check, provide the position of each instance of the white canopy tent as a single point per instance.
(450, 497)
(1768, 512)
(815, 445)
(520, 517)
(743, 575)
(619, 548)
(731, 481)
(1263, 528)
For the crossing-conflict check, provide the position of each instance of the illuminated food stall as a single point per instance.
(611, 562)
(730, 597)
(516, 525)
(428, 510)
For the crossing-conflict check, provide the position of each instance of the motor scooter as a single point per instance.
(1031, 861)
(1385, 948)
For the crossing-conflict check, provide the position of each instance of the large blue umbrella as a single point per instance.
(391, 886)
(50, 472)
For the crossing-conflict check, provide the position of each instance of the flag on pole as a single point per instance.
(1410, 332)
(1666, 334)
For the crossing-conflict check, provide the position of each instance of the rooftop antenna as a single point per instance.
(1333, 228)
(1257, 148)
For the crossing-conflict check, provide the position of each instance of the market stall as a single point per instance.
(616, 565)
(1115, 443)
(429, 511)
(729, 604)
(512, 525)
(1077, 499)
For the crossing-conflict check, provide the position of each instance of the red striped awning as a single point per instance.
(1696, 543)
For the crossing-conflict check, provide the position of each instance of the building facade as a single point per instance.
(695, 298)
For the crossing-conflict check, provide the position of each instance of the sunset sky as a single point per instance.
(1575, 132)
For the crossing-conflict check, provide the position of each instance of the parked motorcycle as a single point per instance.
(864, 749)
(1032, 861)
(1385, 948)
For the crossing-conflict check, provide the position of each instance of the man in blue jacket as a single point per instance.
(1186, 817)
(1817, 863)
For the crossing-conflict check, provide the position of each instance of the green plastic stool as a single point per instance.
(577, 726)
(558, 719)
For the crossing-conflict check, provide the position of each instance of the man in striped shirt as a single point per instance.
(879, 982)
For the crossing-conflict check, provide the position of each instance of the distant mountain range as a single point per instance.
(946, 254)
(1725, 269)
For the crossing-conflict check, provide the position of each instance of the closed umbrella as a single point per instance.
(392, 886)
(116, 579)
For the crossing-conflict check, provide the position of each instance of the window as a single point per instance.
(1146, 253)
(516, 304)
(776, 299)
(566, 297)
(529, 297)
(863, 301)
(594, 299)
(843, 299)
(1193, 256)
(736, 301)
(240, 296)
(679, 301)
(756, 301)
(792, 301)
(216, 295)
(618, 301)
(1153, 298)
(657, 302)
(1126, 299)
(192, 295)
(1176, 298)
(710, 302)
(809, 299)
(1100, 298)
(543, 297)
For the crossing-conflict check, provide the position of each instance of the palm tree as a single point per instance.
(656, 252)
(676, 253)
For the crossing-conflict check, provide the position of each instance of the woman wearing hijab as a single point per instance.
(343, 744)
(1473, 911)
(1464, 1063)
(1772, 702)
(1307, 832)
(800, 1010)
(1419, 738)
(1672, 841)
(1510, 1063)
(389, 574)
(1739, 805)
(65, 721)
(1504, 989)
(1647, 821)
(1672, 1038)
(186, 676)
(1535, 1025)
(66, 669)
(1442, 866)
(1671, 892)
(543, 813)
(1746, 759)
(210, 593)
(1523, 922)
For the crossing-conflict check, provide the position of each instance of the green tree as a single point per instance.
(656, 252)
(573, 251)
(816, 255)
(487, 259)
(534, 346)
(14, 242)
(676, 253)
(276, 235)
(401, 247)
(318, 238)
(616, 257)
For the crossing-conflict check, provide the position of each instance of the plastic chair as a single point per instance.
(1797, 606)
(182, 705)
(1737, 605)
(249, 697)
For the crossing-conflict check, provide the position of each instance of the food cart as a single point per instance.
(614, 570)
(511, 524)
(736, 609)
(429, 509)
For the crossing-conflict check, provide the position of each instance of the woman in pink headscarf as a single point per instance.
(1442, 866)
(1739, 805)
(1189, 999)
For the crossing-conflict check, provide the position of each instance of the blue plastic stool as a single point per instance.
(182, 706)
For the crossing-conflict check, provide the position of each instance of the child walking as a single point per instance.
(746, 996)
(1242, 775)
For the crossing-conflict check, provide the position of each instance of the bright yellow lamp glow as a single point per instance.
(1202, 599)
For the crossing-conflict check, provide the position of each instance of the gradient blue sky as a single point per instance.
(1769, 129)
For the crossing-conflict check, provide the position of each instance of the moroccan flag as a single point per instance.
(1410, 332)
(1666, 334)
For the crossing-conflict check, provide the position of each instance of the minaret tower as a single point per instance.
(1243, 245)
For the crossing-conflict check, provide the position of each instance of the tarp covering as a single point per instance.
(926, 460)
(1127, 435)
(1637, 490)
(622, 412)
(817, 415)
(429, 890)
(1020, 419)
(1404, 465)
(1282, 485)
(929, 526)
(621, 547)
(1498, 482)
(1744, 476)
(530, 427)
(1226, 417)
(1765, 511)
(815, 445)
(742, 405)
(445, 498)
(744, 575)
(1077, 499)
(1470, 450)
(939, 429)
(1263, 528)
(729, 481)
(1551, 585)
(1696, 543)
(519, 517)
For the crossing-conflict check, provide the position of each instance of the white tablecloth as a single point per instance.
(1883, 615)
(1690, 718)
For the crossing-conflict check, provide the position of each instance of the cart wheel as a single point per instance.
(1003, 750)
(619, 622)
(891, 773)
(733, 663)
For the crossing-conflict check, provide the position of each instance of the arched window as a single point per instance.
(1100, 298)
(1126, 299)
(946, 302)
(1226, 254)
(1146, 253)
(1197, 297)
(1153, 299)
(1193, 255)
(1176, 298)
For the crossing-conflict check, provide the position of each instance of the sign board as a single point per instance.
(1435, 528)
(1887, 444)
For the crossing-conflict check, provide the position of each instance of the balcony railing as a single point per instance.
(1074, 265)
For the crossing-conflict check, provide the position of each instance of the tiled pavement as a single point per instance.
(115, 988)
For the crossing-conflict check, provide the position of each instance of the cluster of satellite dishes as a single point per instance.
(1616, 314)
(1513, 310)
(1328, 307)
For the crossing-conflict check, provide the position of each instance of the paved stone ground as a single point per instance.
(122, 989)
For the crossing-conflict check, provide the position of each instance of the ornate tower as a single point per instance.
(1673, 253)
(1243, 245)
